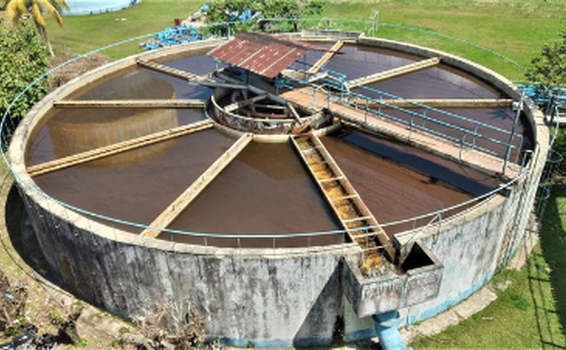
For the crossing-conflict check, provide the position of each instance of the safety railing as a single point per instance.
(297, 243)
(466, 132)
(248, 124)
(333, 240)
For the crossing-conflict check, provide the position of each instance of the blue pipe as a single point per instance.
(386, 328)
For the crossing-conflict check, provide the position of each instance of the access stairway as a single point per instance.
(362, 227)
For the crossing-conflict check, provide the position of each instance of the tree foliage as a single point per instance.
(224, 11)
(23, 58)
(16, 9)
(549, 68)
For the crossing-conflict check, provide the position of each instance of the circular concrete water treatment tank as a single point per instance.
(364, 177)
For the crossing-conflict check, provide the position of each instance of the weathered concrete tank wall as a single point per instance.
(292, 298)
(272, 298)
(472, 245)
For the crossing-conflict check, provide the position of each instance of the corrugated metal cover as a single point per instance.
(263, 54)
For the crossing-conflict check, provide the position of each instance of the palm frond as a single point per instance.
(37, 15)
(58, 18)
(63, 4)
(15, 9)
(52, 6)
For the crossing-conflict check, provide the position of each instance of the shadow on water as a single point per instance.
(23, 237)
(553, 246)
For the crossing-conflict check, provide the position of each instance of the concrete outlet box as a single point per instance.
(419, 282)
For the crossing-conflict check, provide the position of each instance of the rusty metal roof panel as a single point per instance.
(263, 54)
(282, 60)
(265, 39)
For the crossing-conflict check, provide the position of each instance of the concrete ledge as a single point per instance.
(330, 34)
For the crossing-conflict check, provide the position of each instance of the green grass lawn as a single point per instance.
(516, 29)
(531, 313)
(82, 34)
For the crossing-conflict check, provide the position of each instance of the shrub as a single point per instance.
(23, 58)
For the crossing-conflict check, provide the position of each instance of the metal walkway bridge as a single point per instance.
(475, 144)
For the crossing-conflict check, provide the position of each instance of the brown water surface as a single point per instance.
(265, 190)
(439, 82)
(360, 61)
(72, 130)
(137, 192)
(141, 84)
(198, 63)
(392, 192)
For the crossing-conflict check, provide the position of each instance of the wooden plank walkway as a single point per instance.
(326, 57)
(129, 104)
(395, 72)
(118, 147)
(169, 70)
(174, 209)
(475, 159)
(344, 200)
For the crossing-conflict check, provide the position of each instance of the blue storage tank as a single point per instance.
(89, 7)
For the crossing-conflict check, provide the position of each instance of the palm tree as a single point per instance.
(15, 9)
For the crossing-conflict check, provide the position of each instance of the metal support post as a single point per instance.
(462, 142)
(342, 86)
(512, 135)
(314, 97)
(411, 127)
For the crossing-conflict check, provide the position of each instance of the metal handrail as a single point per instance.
(474, 131)
(5, 136)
